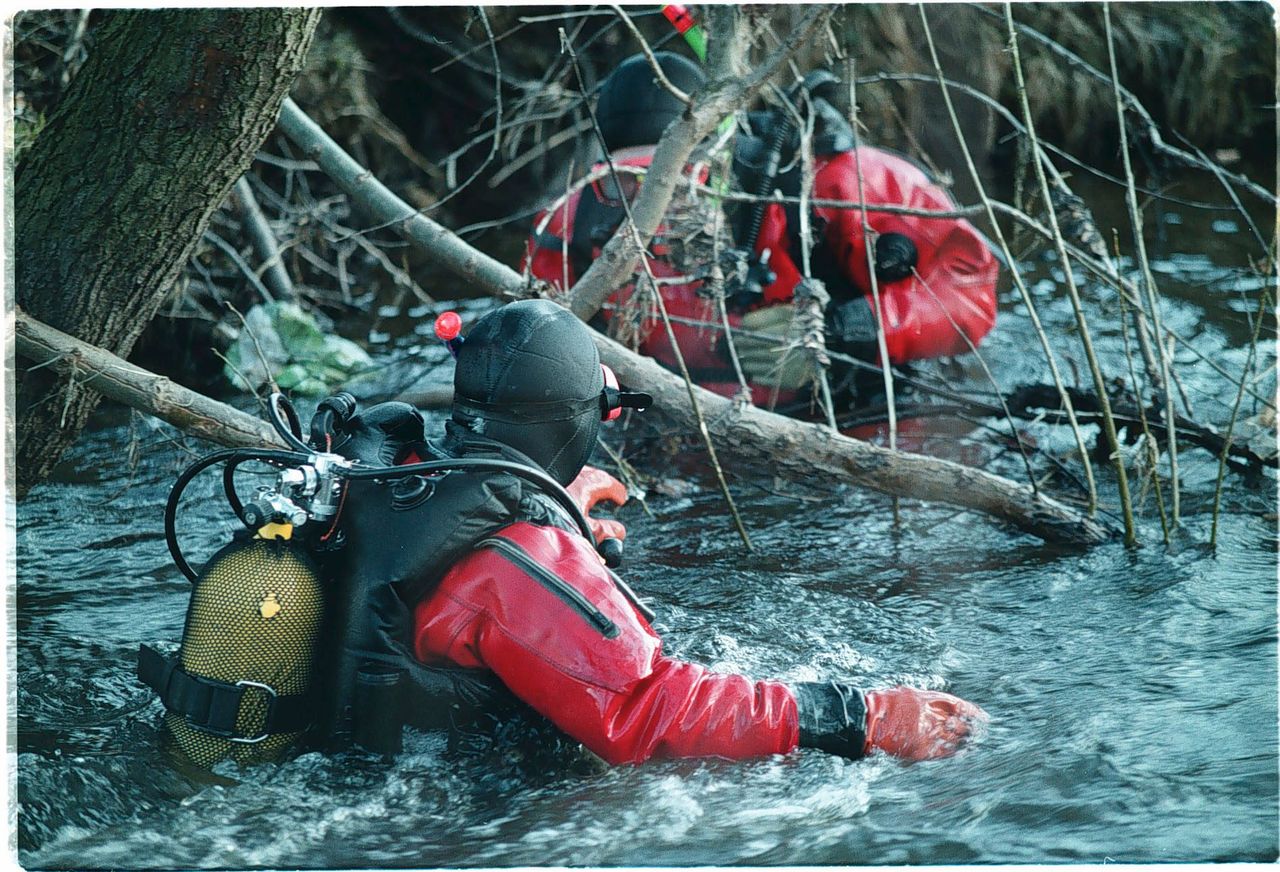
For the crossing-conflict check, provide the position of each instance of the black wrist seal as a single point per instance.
(833, 717)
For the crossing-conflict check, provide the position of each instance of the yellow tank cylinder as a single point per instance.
(255, 616)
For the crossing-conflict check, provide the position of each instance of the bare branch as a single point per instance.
(791, 447)
(375, 198)
(116, 378)
(1153, 132)
(653, 61)
(264, 241)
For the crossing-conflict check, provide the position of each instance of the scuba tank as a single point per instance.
(252, 676)
(249, 644)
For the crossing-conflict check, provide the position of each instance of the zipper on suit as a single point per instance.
(566, 592)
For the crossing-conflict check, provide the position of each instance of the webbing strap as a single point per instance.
(211, 706)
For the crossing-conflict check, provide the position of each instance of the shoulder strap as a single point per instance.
(593, 223)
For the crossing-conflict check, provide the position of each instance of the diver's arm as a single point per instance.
(586, 660)
(953, 284)
(562, 637)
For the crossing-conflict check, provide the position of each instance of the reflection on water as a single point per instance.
(1133, 695)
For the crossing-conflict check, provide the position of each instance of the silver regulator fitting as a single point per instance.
(302, 493)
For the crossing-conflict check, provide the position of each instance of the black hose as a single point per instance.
(292, 434)
(236, 456)
(553, 488)
(781, 132)
(184, 479)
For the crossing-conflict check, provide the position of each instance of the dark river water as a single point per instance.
(1132, 693)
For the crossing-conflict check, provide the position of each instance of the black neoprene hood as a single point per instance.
(634, 108)
(528, 375)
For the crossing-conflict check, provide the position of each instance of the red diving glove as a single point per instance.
(902, 721)
(918, 724)
(593, 486)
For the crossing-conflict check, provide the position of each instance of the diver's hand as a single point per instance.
(770, 359)
(851, 328)
(378, 435)
(918, 724)
(591, 487)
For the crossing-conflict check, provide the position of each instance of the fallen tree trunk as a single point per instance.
(806, 452)
(117, 379)
(794, 449)
(790, 448)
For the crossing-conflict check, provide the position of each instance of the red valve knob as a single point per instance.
(448, 326)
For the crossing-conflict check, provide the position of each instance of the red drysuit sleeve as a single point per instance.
(954, 289)
(538, 608)
(956, 271)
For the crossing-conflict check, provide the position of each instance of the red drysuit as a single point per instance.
(954, 282)
(537, 607)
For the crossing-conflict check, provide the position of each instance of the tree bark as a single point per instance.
(114, 194)
(808, 452)
(376, 198)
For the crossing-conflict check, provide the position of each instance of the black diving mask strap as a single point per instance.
(612, 399)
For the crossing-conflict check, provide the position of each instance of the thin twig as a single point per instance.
(230, 251)
(817, 355)
(997, 107)
(497, 122)
(1086, 340)
(868, 245)
(1235, 410)
(658, 73)
(1142, 416)
(1014, 271)
(262, 358)
(370, 194)
(1153, 132)
(538, 151)
(662, 309)
(995, 387)
(1140, 246)
(1122, 285)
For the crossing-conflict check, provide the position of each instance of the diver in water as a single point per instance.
(535, 604)
(387, 578)
(935, 277)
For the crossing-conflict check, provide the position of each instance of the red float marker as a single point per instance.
(448, 328)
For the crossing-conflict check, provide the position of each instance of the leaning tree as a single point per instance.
(112, 197)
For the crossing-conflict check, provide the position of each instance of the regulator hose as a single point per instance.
(239, 455)
(235, 456)
(292, 433)
(553, 488)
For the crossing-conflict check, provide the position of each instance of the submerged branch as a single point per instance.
(804, 451)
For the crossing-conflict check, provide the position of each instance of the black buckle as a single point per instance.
(230, 734)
